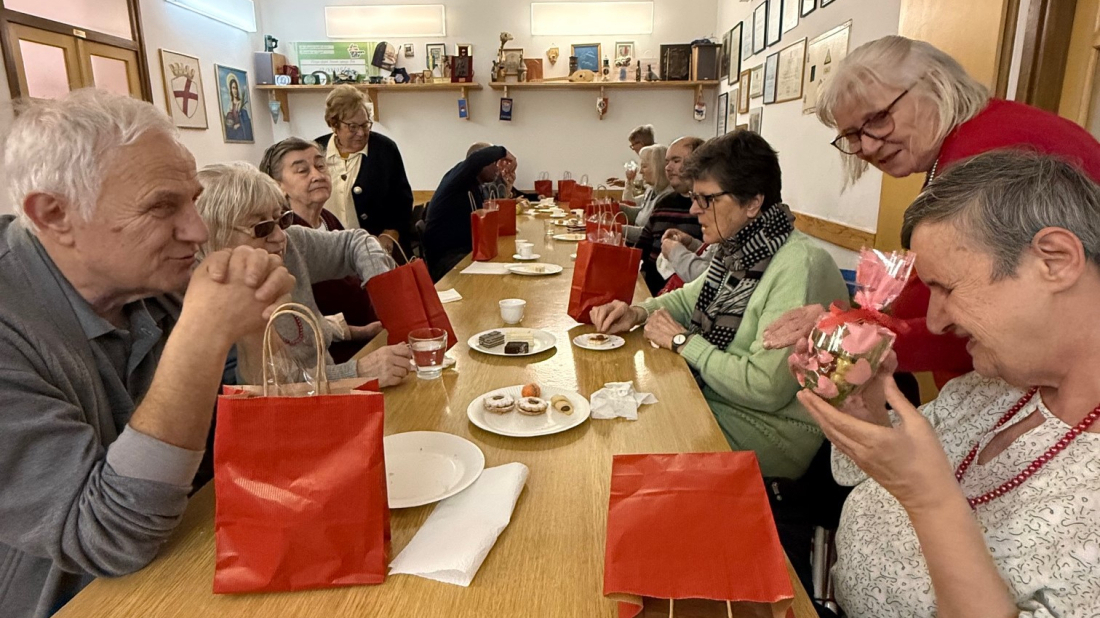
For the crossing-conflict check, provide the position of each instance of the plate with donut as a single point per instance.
(528, 410)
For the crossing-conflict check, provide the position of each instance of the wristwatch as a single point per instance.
(678, 342)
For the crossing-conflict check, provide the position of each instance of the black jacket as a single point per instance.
(447, 235)
(386, 200)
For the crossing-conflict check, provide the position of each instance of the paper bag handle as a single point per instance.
(544, 176)
(584, 179)
(306, 315)
(567, 175)
(399, 247)
(473, 202)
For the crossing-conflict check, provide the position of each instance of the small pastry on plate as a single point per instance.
(499, 404)
(532, 406)
(491, 339)
(562, 404)
(597, 339)
(531, 390)
(516, 347)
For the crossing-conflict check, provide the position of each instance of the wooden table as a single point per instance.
(549, 561)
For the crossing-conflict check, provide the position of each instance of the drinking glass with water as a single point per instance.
(428, 346)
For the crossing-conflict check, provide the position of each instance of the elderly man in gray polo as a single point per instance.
(107, 385)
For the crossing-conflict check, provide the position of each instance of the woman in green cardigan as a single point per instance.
(762, 268)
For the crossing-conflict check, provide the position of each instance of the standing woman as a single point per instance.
(906, 108)
(653, 174)
(369, 187)
(638, 139)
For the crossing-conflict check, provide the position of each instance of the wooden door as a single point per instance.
(1080, 100)
(47, 63)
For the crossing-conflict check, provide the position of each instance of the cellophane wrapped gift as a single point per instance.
(846, 347)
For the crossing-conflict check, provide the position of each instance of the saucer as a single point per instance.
(533, 256)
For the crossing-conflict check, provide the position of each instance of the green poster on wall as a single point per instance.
(336, 56)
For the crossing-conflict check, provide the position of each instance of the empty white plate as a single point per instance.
(519, 425)
(423, 467)
(543, 341)
(592, 341)
(536, 269)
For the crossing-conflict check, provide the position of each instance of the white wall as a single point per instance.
(813, 178)
(551, 131)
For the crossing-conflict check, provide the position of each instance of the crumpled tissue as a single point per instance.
(619, 400)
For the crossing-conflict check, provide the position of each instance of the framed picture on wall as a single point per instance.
(235, 104)
(757, 81)
(676, 62)
(727, 47)
(624, 49)
(771, 77)
(808, 7)
(792, 64)
(513, 60)
(588, 56)
(756, 120)
(183, 89)
(823, 54)
(433, 57)
(760, 27)
(731, 109)
(746, 40)
(775, 21)
(790, 14)
(746, 90)
(825, 3)
(723, 104)
(735, 55)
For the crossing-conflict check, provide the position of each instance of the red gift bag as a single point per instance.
(506, 217)
(597, 207)
(405, 299)
(300, 482)
(604, 227)
(565, 187)
(485, 227)
(544, 187)
(601, 274)
(582, 192)
(693, 526)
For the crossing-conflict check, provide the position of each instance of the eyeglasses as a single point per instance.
(355, 128)
(706, 200)
(878, 126)
(263, 229)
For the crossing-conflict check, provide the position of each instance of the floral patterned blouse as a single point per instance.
(1044, 535)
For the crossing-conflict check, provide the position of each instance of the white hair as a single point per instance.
(64, 146)
(231, 193)
(654, 157)
(904, 64)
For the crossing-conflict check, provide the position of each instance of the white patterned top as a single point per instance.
(1044, 535)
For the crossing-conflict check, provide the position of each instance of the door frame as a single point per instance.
(137, 45)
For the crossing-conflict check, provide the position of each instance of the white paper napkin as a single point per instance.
(456, 538)
(449, 296)
(618, 399)
(486, 268)
(664, 267)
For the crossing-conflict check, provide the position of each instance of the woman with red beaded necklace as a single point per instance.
(986, 502)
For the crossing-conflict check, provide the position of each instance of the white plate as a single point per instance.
(537, 269)
(423, 467)
(560, 215)
(569, 237)
(519, 425)
(584, 341)
(534, 256)
(543, 341)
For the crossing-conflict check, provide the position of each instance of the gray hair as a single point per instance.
(272, 162)
(232, 192)
(901, 63)
(1001, 199)
(64, 146)
(654, 157)
(644, 134)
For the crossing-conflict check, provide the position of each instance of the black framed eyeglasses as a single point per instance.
(263, 229)
(879, 126)
(355, 128)
(706, 200)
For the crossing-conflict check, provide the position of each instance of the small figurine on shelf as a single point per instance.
(638, 72)
(270, 43)
(552, 55)
(522, 73)
(572, 64)
(606, 68)
(497, 74)
(650, 75)
(504, 38)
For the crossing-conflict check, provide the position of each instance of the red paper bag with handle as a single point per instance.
(544, 187)
(299, 481)
(565, 187)
(693, 526)
(597, 207)
(605, 227)
(506, 217)
(601, 274)
(405, 299)
(485, 227)
(582, 192)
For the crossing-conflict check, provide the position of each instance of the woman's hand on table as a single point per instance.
(661, 328)
(616, 317)
(389, 365)
(791, 326)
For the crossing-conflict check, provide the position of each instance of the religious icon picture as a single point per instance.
(235, 103)
(433, 57)
(183, 90)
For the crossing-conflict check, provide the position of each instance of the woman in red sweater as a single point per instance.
(906, 108)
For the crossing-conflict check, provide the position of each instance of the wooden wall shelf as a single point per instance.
(680, 85)
(281, 92)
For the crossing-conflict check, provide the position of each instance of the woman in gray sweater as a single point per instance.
(243, 206)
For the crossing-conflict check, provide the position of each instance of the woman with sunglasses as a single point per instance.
(243, 206)
(762, 268)
(906, 108)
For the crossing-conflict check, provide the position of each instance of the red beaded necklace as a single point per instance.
(1035, 465)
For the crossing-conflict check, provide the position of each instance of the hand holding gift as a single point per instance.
(846, 347)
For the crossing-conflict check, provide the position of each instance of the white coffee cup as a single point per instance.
(525, 249)
(511, 310)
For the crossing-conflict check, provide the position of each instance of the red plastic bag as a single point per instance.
(565, 187)
(602, 273)
(693, 526)
(485, 227)
(300, 483)
(405, 300)
(544, 187)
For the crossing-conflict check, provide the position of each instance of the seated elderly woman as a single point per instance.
(762, 268)
(242, 206)
(986, 501)
(653, 174)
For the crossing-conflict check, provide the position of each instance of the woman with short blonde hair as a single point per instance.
(653, 173)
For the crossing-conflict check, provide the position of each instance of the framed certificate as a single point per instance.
(823, 54)
(792, 64)
(746, 40)
(774, 28)
(808, 6)
(771, 75)
(723, 105)
(790, 15)
(760, 27)
(757, 81)
(746, 89)
(734, 55)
